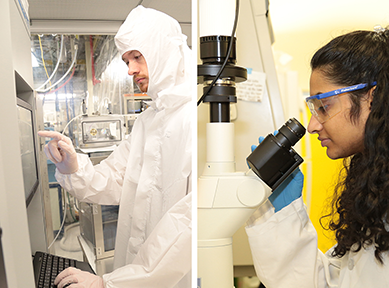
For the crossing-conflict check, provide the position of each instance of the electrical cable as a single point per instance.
(67, 72)
(74, 118)
(102, 103)
(94, 80)
(43, 59)
(227, 56)
(60, 228)
(70, 209)
(67, 81)
(56, 66)
(65, 205)
(78, 209)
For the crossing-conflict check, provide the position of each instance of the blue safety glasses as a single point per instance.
(326, 105)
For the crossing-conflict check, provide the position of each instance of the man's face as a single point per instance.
(137, 67)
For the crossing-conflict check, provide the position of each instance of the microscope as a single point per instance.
(226, 197)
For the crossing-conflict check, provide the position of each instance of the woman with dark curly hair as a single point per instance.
(350, 114)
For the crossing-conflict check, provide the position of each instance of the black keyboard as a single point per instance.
(48, 266)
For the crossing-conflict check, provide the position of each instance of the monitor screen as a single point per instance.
(27, 149)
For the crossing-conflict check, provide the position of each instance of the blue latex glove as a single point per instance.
(260, 139)
(289, 190)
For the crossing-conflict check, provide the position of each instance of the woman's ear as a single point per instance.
(370, 96)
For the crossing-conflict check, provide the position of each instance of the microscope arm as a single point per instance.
(225, 203)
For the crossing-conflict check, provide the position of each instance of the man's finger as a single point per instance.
(53, 149)
(65, 273)
(48, 154)
(51, 134)
(66, 147)
(68, 281)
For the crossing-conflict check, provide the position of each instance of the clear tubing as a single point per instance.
(67, 72)
(56, 67)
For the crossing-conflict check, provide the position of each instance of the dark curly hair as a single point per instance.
(360, 205)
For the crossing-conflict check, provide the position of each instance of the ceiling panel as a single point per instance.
(98, 16)
(109, 10)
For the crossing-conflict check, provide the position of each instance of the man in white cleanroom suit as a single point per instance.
(148, 175)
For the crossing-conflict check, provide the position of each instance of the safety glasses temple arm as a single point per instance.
(339, 91)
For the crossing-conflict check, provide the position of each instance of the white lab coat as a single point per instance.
(151, 171)
(285, 254)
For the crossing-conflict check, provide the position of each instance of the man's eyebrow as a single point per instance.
(127, 53)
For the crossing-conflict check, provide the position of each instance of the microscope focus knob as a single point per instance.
(252, 192)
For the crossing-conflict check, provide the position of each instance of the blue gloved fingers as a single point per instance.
(288, 191)
(260, 139)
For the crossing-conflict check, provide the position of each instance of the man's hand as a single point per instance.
(75, 278)
(61, 152)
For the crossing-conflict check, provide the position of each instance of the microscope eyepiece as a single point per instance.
(274, 159)
(290, 133)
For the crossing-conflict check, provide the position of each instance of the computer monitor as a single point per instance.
(27, 149)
